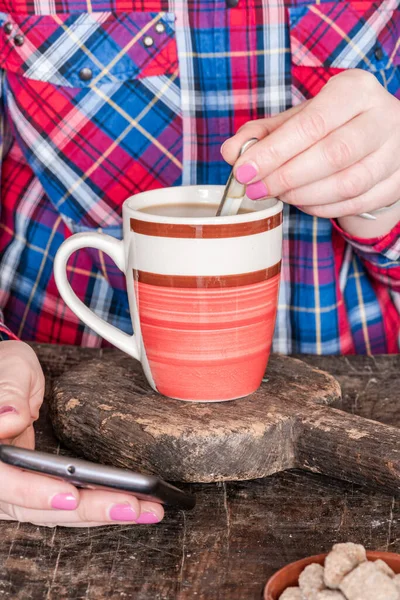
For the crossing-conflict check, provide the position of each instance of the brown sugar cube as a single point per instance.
(341, 561)
(367, 582)
(292, 593)
(384, 567)
(330, 595)
(355, 551)
(337, 566)
(311, 581)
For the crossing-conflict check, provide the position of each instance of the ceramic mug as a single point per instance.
(202, 292)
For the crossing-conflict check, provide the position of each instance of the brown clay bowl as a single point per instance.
(289, 575)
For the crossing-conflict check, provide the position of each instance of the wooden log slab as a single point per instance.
(105, 411)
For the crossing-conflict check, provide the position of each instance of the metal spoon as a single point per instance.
(234, 192)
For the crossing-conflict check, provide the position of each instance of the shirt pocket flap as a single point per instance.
(345, 35)
(79, 50)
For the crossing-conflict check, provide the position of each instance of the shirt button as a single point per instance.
(378, 53)
(148, 41)
(160, 28)
(7, 28)
(19, 40)
(232, 3)
(85, 74)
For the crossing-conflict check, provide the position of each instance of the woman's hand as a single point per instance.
(334, 156)
(41, 500)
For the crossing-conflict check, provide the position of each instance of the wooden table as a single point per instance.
(238, 535)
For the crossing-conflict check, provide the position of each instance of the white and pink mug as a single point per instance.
(203, 291)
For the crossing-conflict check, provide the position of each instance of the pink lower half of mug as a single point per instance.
(207, 344)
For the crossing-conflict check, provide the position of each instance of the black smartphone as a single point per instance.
(85, 474)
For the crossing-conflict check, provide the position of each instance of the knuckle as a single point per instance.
(24, 494)
(355, 206)
(359, 78)
(22, 359)
(354, 183)
(284, 179)
(260, 126)
(13, 511)
(268, 156)
(350, 185)
(245, 126)
(365, 79)
(312, 126)
(88, 512)
(334, 79)
(291, 197)
(26, 354)
(8, 390)
(338, 154)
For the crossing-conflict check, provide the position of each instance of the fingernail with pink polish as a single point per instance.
(255, 191)
(148, 518)
(64, 502)
(246, 173)
(6, 410)
(122, 512)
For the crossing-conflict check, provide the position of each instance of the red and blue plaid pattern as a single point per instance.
(326, 38)
(168, 83)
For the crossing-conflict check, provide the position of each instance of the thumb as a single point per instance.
(256, 129)
(21, 389)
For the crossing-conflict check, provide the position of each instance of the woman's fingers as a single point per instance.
(114, 507)
(383, 194)
(21, 388)
(335, 105)
(349, 183)
(31, 490)
(256, 129)
(4, 517)
(342, 148)
(54, 500)
(95, 507)
(27, 496)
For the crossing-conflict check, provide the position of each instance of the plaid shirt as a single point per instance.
(103, 99)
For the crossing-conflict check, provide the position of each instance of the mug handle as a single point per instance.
(115, 249)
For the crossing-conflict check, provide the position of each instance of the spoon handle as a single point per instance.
(234, 191)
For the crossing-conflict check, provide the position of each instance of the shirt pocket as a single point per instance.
(330, 37)
(94, 102)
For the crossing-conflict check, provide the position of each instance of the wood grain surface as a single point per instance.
(106, 411)
(238, 535)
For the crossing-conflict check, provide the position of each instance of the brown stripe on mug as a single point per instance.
(176, 230)
(201, 281)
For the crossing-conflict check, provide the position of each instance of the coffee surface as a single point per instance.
(191, 210)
